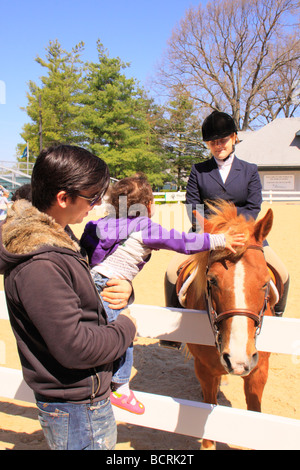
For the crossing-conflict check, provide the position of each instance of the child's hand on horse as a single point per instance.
(233, 239)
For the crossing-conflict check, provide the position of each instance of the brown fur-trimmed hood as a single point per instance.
(27, 231)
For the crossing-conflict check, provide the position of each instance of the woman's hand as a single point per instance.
(117, 293)
(127, 314)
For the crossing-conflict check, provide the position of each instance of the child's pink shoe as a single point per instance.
(125, 402)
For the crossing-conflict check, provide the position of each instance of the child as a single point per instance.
(120, 244)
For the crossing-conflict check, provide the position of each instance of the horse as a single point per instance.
(237, 290)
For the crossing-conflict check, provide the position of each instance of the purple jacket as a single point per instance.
(102, 237)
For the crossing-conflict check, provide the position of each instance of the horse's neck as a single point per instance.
(195, 298)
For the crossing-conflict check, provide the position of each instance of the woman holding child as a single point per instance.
(118, 247)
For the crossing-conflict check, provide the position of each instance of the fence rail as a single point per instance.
(236, 427)
(268, 196)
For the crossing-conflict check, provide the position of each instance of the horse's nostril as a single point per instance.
(226, 358)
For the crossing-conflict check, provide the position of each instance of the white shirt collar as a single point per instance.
(223, 163)
(224, 166)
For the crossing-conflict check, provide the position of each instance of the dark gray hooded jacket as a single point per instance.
(66, 346)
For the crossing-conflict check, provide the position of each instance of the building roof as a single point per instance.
(275, 145)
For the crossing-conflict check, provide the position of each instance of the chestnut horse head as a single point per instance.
(237, 288)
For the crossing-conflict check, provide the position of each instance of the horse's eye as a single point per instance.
(212, 280)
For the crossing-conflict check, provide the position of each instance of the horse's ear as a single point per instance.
(204, 223)
(263, 226)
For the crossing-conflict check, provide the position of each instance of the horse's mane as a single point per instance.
(223, 217)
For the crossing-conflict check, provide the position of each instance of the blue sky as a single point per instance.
(137, 31)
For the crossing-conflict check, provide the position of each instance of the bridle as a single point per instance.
(216, 318)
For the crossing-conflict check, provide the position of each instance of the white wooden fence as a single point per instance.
(271, 196)
(268, 196)
(236, 427)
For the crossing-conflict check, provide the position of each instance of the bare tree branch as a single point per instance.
(230, 55)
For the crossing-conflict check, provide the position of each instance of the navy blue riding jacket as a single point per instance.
(242, 187)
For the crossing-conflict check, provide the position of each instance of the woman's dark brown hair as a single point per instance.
(67, 168)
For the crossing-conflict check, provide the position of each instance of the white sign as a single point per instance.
(279, 182)
(172, 197)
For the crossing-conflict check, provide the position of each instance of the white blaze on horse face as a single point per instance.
(239, 326)
(239, 285)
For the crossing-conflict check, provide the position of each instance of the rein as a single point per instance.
(216, 318)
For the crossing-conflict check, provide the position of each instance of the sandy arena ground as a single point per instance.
(163, 371)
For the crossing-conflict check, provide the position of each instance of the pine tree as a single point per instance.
(115, 116)
(53, 106)
(180, 134)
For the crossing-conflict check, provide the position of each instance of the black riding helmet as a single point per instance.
(218, 125)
